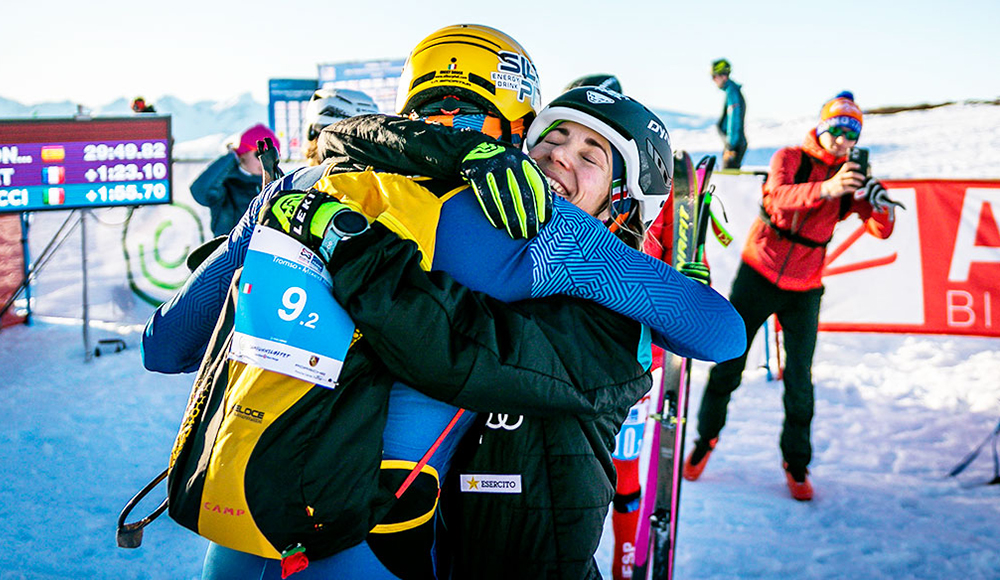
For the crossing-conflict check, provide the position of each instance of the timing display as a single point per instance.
(51, 164)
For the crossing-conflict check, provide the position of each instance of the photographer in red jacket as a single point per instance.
(808, 191)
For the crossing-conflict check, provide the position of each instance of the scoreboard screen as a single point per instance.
(65, 163)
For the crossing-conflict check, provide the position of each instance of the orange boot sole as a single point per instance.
(691, 471)
(801, 490)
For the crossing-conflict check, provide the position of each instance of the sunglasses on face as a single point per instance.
(847, 133)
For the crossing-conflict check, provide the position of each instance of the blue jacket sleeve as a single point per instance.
(207, 189)
(576, 255)
(177, 334)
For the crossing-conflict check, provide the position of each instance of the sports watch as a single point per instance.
(345, 223)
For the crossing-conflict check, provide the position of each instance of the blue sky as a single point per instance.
(790, 56)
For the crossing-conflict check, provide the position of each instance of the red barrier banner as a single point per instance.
(939, 273)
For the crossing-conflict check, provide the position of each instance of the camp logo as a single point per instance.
(489, 483)
(222, 510)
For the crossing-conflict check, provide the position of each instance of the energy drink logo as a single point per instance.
(516, 73)
(156, 244)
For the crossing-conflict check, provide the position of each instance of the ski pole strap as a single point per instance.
(410, 514)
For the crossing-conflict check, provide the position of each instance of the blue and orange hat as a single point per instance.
(840, 111)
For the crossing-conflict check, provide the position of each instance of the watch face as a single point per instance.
(349, 223)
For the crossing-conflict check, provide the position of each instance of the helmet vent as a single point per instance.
(478, 80)
(422, 79)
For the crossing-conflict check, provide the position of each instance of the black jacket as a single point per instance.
(560, 447)
(553, 527)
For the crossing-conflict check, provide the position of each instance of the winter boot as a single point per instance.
(698, 459)
(798, 483)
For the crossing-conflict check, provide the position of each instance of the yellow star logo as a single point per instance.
(473, 484)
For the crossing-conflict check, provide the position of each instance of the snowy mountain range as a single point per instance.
(189, 121)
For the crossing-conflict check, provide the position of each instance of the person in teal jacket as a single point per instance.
(734, 112)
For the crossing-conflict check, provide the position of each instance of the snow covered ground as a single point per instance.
(894, 414)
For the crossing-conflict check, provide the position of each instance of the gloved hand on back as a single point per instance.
(510, 187)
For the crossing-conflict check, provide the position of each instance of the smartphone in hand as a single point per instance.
(859, 155)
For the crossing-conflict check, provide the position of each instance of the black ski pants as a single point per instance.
(756, 298)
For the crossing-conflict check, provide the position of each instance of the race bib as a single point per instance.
(628, 441)
(286, 318)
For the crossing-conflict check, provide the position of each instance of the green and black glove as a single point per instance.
(315, 219)
(697, 271)
(510, 188)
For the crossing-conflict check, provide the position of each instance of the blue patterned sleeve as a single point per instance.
(576, 255)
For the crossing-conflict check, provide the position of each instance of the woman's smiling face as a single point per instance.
(577, 162)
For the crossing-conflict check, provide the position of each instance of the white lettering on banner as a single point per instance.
(962, 309)
(966, 251)
(5, 174)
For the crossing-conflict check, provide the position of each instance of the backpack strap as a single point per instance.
(801, 176)
(804, 170)
(789, 234)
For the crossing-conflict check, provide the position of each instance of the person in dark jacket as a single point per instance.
(809, 190)
(228, 184)
(731, 122)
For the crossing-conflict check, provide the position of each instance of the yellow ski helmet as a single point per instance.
(474, 63)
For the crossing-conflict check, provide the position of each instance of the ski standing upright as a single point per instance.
(664, 430)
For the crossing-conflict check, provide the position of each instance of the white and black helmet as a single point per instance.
(635, 132)
(331, 105)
